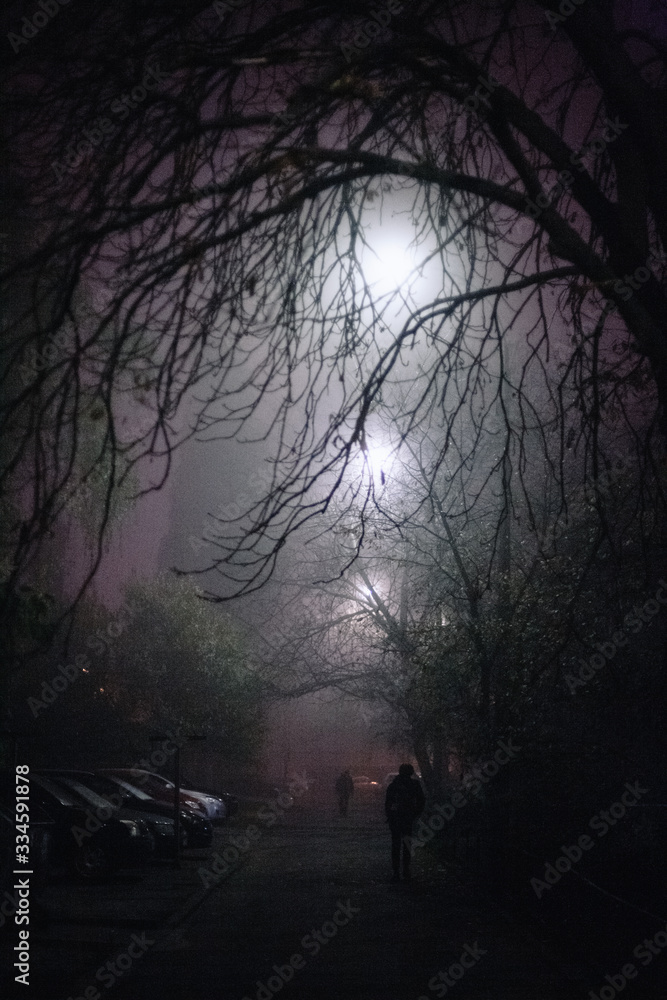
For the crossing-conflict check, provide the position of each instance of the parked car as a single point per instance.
(156, 789)
(197, 828)
(100, 808)
(231, 801)
(103, 794)
(162, 790)
(364, 785)
(90, 851)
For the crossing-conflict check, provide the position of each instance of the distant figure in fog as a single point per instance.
(344, 789)
(403, 803)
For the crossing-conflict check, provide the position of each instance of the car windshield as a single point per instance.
(86, 793)
(136, 792)
(95, 782)
(56, 790)
(159, 783)
(153, 784)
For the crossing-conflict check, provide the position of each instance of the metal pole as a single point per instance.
(177, 807)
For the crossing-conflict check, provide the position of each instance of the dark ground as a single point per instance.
(223, 943)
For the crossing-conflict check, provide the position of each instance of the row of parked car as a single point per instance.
(92, 823)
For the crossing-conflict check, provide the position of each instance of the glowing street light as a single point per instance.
(388, 265)
(378, 459)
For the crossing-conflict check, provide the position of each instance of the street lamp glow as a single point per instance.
(378, 459)
(387, 265)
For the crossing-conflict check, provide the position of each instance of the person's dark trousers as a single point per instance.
(399, 849)
(342, 805)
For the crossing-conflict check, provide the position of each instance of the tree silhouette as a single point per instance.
(223, 171)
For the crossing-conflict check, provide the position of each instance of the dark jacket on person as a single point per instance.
(404, 801)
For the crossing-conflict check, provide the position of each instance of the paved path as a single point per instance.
(391, 940)
(312, 874)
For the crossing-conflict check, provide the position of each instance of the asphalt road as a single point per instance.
(310, 913)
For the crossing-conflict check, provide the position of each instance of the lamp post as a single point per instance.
(163, 738)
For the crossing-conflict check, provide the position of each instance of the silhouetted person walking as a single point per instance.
(403, 803)
(344, 789)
